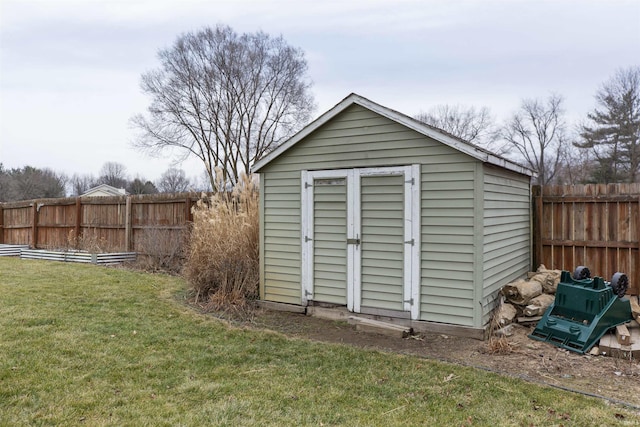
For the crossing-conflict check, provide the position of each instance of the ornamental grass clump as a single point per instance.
(222, 262)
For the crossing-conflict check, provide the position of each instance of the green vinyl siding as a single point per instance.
(382, 220)
(280, 200)
(506, 250)
(330, 241)
(447, 265)
(359, 138)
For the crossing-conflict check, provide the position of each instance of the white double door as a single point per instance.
(361, 239)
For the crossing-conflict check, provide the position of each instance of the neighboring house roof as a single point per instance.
(439, 135)
(103, 190)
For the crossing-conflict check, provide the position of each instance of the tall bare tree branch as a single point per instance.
(475, 125)
(536, 133)
(225, 98)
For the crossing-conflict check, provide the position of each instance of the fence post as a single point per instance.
(187, 210)
(34, 226)
(127, 225)
(1, 225)
(537, 226)
(78, 221)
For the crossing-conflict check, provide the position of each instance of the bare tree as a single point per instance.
(202, 182)
(576, 166)
(475, 125)
(537, 134)
(224, 97)
(32, 183)
(141, 186)
(52, 183)
(113, 174)
(173, 181)
(79, 184)
(5, 184)
(612, 132)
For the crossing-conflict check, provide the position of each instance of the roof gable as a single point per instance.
(460, 145)
(104, 190)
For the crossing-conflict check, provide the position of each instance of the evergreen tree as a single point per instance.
(613, 129)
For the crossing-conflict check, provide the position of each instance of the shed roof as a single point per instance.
(461, 145)
(104, 190)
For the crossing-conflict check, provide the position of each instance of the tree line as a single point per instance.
(28, 182)
(603, 148)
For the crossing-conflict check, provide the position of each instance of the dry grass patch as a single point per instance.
(161, 250)
(90, 241)
(498, 343)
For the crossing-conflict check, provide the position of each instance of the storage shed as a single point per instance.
(369, 209)
(104, 190)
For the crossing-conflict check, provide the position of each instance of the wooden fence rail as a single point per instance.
(594, 225)
(120, 223)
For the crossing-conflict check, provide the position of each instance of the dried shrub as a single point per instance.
(222, 263)
(89, 241)
(498, 344)
(161, 250)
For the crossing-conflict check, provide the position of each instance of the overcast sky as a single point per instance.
(70, 70)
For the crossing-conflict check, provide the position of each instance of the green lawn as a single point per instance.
(86, 345)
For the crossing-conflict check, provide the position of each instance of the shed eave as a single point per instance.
(464, 147)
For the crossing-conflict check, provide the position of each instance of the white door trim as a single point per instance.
(307, 225)
(306, 246)
(354, 268)
(416, 247)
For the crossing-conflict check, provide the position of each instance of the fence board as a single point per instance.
(594, 225)
(100, 221)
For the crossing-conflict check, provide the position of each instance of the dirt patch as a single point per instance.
(613, 378)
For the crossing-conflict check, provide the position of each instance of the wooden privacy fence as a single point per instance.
(595, 225)
(123, 223)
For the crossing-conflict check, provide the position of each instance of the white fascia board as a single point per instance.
(506, 164)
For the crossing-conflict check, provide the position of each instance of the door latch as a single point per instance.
(353, 242)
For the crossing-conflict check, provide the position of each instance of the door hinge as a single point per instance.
(410, 301)
(412, 181)
(307, 239)
(307, 185)
(411, 242)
